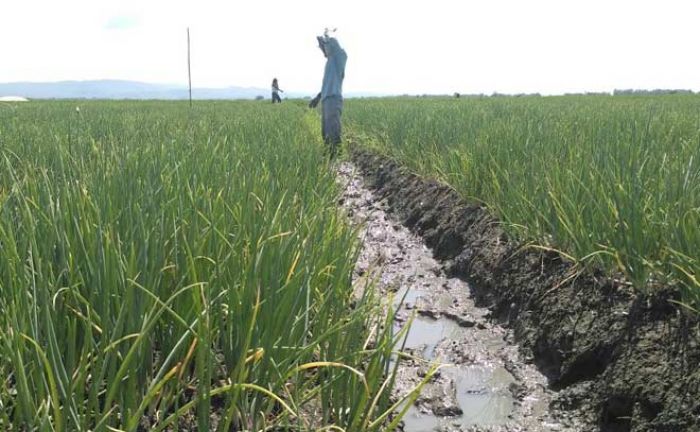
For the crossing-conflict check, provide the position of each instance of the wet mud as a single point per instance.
(488, 385)
(619, 360)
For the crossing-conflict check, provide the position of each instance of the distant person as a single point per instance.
(331, 96)
(275, 91)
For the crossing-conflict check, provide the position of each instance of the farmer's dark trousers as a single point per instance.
(332, 108)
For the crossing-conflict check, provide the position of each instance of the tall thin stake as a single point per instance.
(189, 71)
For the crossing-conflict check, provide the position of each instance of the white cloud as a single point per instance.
(121, 22)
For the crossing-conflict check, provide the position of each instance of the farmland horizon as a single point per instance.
(135, 90)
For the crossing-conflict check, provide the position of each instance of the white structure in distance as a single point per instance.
(13, 99)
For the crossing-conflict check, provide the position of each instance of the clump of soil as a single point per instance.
(630, 359)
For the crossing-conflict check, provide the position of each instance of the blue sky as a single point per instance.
(439, 46)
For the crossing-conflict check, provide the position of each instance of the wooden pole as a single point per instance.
(189, 70)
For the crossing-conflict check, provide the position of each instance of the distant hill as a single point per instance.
(118, 89)
(121, 89)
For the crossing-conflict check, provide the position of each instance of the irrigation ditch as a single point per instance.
(487, 386)
(536, 342)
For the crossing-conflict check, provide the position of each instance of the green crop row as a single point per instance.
(162, 267)
(610, 181)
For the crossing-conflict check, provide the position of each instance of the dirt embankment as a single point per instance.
(631, 360)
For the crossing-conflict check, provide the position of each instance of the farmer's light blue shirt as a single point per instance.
(335, 69)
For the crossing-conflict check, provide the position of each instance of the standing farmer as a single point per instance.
(275, 91)
(331, 95)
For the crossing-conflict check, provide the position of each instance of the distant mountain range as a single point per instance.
(120, 89)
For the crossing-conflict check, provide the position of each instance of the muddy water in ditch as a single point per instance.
(487, 386)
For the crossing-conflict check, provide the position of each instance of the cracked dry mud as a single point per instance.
(488, 386)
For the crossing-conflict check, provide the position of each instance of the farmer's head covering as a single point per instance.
(327, 43)
(332, 46)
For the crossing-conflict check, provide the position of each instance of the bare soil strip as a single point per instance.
(489, 385)
(629, 361)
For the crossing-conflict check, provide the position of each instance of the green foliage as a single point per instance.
(612, 181)
(161, 266)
